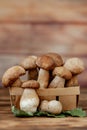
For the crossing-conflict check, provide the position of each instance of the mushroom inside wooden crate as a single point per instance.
(50, 81)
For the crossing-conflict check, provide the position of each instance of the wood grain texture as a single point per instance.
(14, 38)
(62, 38)
(49, 92)
(43, 11)
(42, 38)
(9, 122)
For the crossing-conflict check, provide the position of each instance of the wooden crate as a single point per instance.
(68, 96)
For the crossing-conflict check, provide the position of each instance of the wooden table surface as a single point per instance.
(9, 122)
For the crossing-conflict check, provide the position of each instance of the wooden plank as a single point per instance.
(68, 102)
(59, 91)
(49, 92)
(43, 38)
(43, 11)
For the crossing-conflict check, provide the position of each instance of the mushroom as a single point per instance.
(57, 59)
(11, 75)
(29, 64)
(72, 82)
(29, 100)
(45, 63)
(11, 79)
(75, 65)
(60, 73)
(53, 106)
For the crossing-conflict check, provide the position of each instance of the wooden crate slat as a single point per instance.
(49, 92)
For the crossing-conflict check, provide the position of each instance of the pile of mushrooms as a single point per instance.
(45, 71)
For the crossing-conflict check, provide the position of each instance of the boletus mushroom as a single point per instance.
(75, 65)
(60, 74)
(29, 100)
(29, 64)
(11, 75)
(45, 63)
(53, 106)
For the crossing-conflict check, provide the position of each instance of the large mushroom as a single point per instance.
(11, 79)
(60, 74)
(29, 64)
(75, 65)
(29, 100)
(11, 75)
(45, 63)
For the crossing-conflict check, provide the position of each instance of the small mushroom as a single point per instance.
(29, 64)
(29, 100)
(53, 106)
(75, 65)
(62, 72)
(72, 82)
(45, 63)
(57, 59)
(11, 75)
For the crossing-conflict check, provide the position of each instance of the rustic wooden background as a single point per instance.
(39, 26)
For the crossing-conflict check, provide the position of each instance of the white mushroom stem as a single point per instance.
(29, 100)
(43, 78)
(57, 82)
(33, 74)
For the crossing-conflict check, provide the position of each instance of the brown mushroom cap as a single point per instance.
(29, 62)
(75, 65)
(11, 75)
(45, 62)
(57, 59)
(62, 72)
(31, 84)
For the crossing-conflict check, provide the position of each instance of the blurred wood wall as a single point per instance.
(39, 26)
